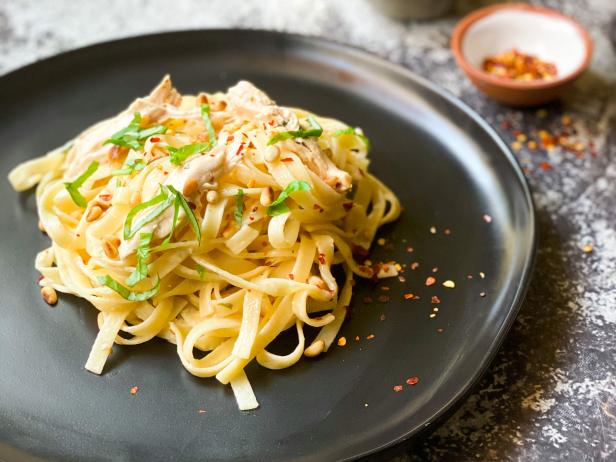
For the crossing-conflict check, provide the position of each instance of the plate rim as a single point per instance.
(530, 251)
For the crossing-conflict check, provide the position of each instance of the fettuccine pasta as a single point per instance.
(211, 221)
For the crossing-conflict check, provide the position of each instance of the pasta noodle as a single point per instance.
(212, 221)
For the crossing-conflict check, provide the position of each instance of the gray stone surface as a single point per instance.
(551, 392)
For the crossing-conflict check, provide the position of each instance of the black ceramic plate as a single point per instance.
(446, 165)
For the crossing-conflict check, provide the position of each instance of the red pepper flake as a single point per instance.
(412, 380)
(440, 330)
(505, 125)
(447, 231)
(482, 294)
(368, 300)
(318, 207)
(321, 258)
(383, 298)
(487, 218)
(370, 337)
(201, 411)
(408, 296)
(291, 276)
(385, 288)
(287, 159)
(430, 281)
(435, 300)
(414, 265)
(397, 388)
(545, 166)
(347, 206)
(469, 276)
(134, 390)
(409, 249)
(382, 317)
(155, 139)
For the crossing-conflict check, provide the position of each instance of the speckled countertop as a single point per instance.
(551, 392)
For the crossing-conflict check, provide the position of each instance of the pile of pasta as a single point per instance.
(211, 221)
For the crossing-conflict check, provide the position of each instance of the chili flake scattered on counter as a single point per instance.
(397, 388)
(409, 249)
(435, 300)
(408, 296)
(412, 380)
(414, 265)
(382, 317)
(370, 337)
(587, 248)
(134, 390)
(342, 341)
(201, 411)
(440, 330)
(449, 284)
(430, 281)
(515, 65)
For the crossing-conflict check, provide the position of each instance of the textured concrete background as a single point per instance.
(551, 392)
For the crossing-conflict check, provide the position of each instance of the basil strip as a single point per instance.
(188, 211)
(133, 135)
(164, 199)
(353, 131)
(201, 271)
(239, 207)
(130, 167)
(278, 206)
(314, 130)
(73, 187)
(143, 253)
(179, 155)
(205, 114)
(127, 293)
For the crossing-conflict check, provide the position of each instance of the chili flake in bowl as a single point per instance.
(521, 55)
(515, 65)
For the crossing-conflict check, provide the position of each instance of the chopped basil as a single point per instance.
(127, 293)
(192, 219)
(179, 155)
(205, 114)
(73, 186)
(133, 135)
(239, 207)
(356, 132)
(143, 253)
(313, 130)
(164, 200)
(278, 206)
(130, 167)
(201, 270)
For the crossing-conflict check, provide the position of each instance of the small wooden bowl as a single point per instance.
(539, 31)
